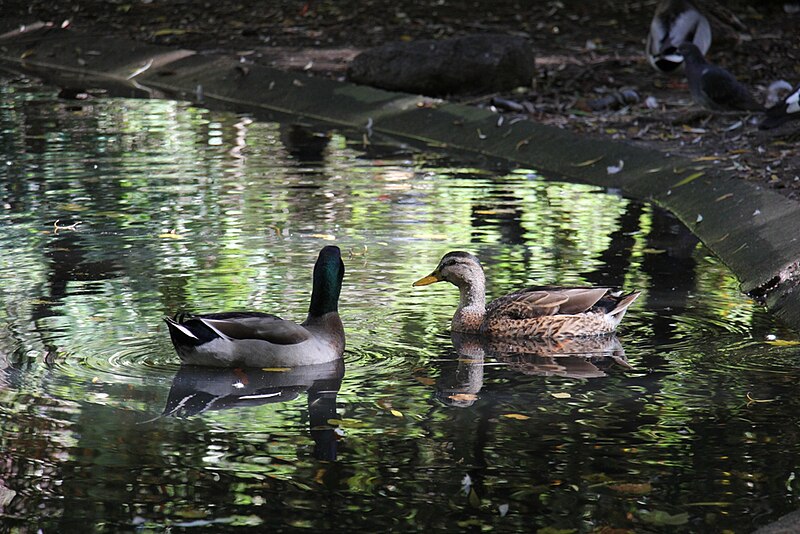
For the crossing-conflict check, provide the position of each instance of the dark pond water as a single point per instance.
(116, 212)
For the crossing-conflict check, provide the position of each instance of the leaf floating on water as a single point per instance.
(276, 369)
(172, 234)
(326, 237)
(691, 177)
(654, 251)
(463, 396)
(347, 423)
(57, 227)
(661, 518)
(723, 197)
(783, 342)
(396, 413)
(563, 395)
(633, 489)
(424, 380)
(431, 237)
(503, 509)
(473, 498)
(517, 416)
(587, 162)
(751, 400)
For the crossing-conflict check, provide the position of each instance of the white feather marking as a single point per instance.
(216, 331)
(262, 396)
(186, 331)
(793, 102)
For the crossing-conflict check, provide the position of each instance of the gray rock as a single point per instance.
(471, 64)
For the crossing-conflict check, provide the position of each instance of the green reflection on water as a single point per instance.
(181, 208)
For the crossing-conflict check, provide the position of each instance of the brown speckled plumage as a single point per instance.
(545, 312)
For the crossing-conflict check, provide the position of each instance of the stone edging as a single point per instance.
(754, 231)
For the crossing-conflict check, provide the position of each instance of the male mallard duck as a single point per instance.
(675, 22)
(544, 311)
(786, 110)
(712, 86)
(253, 339)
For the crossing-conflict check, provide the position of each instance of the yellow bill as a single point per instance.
(430, 279)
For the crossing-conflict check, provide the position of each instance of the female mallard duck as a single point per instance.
(253, 339)
(546, 311)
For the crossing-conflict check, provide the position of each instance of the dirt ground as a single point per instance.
(585, 51)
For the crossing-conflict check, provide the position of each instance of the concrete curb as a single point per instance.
(754, 231)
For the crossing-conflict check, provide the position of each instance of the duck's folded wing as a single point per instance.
(260, 326)
(539, 301)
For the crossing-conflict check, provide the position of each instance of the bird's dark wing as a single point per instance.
(725, 91)
(253, 325)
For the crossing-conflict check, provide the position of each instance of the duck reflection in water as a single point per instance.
(197, 389)
(580, 357)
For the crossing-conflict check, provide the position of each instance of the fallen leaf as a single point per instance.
(588, 162)
(691, 177)
(633, 489)
(723, 197)
(614, 169)
(517, 416)
(169, 31)
(169, 235)
(661, 518)
(276, 369)
(561, 395)
(396, 413)
(689, 129)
